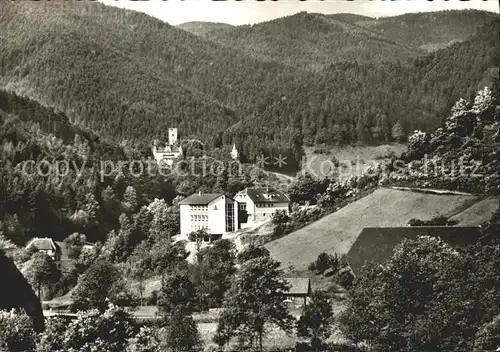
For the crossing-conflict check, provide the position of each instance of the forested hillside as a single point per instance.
(431, 30)
(319, 40)
(312, 41)
(370, 103)
(129, 76)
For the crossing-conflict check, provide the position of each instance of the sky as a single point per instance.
(252, 11)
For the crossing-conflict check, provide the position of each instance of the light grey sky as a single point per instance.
(252, 11)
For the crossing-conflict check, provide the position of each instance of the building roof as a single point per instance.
(263, 195)
(44, 244)
(200, 199)
(169, 149)
(299, 286)
(162, 147)
(376, 244)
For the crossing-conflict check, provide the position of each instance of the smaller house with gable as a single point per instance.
(300, 291)
(261, 203)
(46, 245)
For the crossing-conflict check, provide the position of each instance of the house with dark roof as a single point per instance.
(261, 203)
(214, 212)
(299, 292)
(376, 244)
(46, 245)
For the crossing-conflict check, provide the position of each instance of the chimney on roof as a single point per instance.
(199, 193)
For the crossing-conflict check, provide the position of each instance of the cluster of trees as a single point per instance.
(111, 330)
(215, 92)
(462, 154)
(326, 261)
(438, 220)
(249, 287)
(431, 30)
(429, 296)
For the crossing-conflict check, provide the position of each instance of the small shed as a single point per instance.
(300, 290)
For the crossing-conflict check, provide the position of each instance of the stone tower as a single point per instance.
(172, 136)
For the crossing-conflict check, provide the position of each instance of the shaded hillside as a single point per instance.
(202, 28)
(129, 76)
(16, 292)
(312, 41)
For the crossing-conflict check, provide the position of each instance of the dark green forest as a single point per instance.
(318, 40)
(129, 77)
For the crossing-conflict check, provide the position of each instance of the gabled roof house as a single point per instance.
(261, 203)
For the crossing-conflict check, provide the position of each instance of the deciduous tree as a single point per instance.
(100, 284)
(256, 298)
(317, 319)
(41, 270)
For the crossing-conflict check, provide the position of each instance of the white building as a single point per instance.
(214, 212)
(260, 204)
(235, 155)
(167, 152)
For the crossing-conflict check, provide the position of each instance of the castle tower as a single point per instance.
(172, 136)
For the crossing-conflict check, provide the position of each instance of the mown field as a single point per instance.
(383, 208)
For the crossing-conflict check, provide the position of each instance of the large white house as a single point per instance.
(214, 212)
(261, 203)
(167, 152)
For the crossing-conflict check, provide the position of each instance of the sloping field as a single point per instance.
(478, 213)
(382, 208)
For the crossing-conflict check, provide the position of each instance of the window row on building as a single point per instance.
(199, 217)
(199, 207)
(265, 205)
